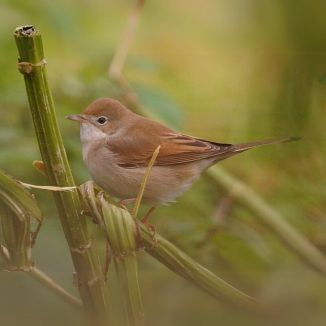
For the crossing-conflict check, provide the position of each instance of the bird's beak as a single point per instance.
(76, 117)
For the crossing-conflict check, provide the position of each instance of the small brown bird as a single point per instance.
(118, 145)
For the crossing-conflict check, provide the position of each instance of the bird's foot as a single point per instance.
(146, 217)
(149, 226)
(124, 202)
(89, 215)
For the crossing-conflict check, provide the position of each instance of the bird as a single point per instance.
(117, 145)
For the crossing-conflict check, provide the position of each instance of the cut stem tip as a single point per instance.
(26, 31)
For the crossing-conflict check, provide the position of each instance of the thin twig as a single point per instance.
(116, 67)
(50, 188)
(45, 280)
(120, 55)
(144, 182)
(223, 208)
(54, 287)
(290, 236)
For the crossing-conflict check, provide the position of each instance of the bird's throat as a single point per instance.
(90, 136)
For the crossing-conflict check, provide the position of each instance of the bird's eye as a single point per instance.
(102, 120)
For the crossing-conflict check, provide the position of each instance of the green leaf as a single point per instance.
(17, 209)
(18, 199)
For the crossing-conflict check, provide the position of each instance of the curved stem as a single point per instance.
(273, 219)
(183, 265)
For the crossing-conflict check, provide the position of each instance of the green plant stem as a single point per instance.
(45, 280)
(292, 238)
(85, 257)
(186, 267)
(120, 230)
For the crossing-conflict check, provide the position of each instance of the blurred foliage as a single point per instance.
(226, 70)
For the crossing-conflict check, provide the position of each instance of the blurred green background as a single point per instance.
(225, 70)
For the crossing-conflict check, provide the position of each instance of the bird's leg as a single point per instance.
(122, 203)
(145, 220)
(151, 227)
(148, 214)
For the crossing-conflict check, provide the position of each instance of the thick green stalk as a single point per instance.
(120, 229)
(291, 237)
(179, 262)
(114, 221)
(85, 258)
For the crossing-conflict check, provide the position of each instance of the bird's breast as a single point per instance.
(91, 138)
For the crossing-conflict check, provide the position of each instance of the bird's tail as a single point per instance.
(238, 148)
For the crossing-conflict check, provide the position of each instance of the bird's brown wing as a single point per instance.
(175, 148)
(179, 148)
(136, 145)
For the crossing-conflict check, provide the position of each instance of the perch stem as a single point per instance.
(85, 258)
